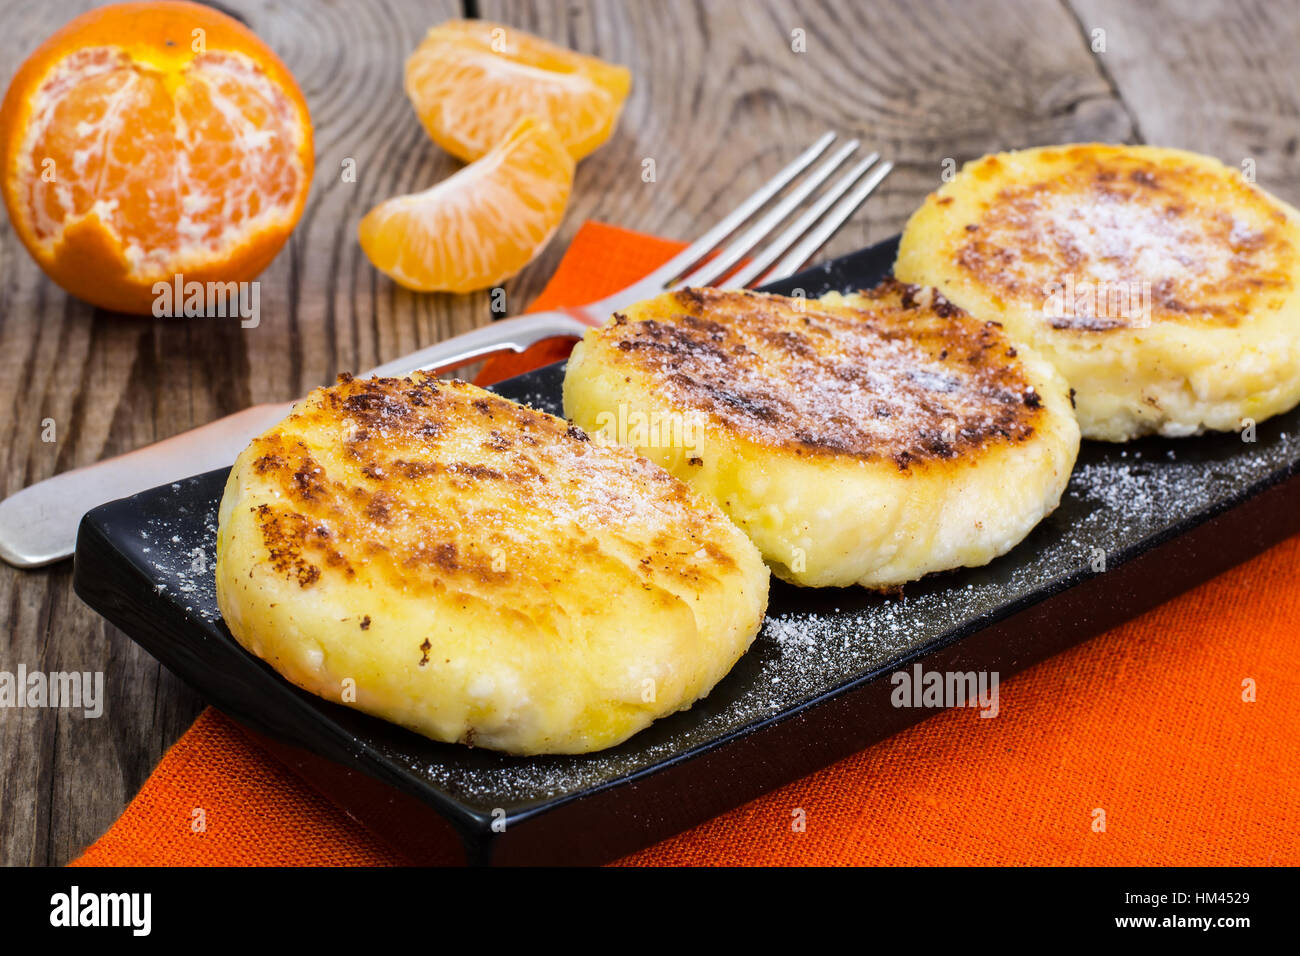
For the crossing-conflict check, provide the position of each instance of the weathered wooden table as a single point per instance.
(721, 98)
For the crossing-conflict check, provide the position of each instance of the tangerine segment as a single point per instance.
(471, 81)
(482, 224)
(148, 139)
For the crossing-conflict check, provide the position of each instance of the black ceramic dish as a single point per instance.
(1159, 516)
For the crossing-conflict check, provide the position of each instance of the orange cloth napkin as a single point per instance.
(1146, 724)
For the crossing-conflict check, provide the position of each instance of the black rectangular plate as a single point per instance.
(1160, 515)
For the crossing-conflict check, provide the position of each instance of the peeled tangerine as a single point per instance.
(147, 140)
(471, 81)
(479, 226)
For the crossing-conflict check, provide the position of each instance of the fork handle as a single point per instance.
(38, 525)
(508, 334)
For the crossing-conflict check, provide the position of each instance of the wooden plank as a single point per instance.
(1212, 77)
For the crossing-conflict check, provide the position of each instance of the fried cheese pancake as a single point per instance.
(1162, 284)
(478, 571)
(863, 440)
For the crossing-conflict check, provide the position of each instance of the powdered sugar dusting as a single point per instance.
(894, 372)
(183, 562)
(1198, 243)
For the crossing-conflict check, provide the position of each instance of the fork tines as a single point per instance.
(788, 250)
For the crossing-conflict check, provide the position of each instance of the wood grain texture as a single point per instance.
(1217, 78)
(720, 101)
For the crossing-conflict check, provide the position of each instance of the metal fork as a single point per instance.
(38, 525)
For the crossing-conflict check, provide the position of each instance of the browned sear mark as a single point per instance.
(448, 489)
(1140, 241)
(906, 376)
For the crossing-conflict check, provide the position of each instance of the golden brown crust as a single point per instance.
(479, 571)
(1121, 218)
(428, 484)
(905, 376)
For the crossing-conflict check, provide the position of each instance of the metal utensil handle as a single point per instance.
(38, 525)
(509, 334)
